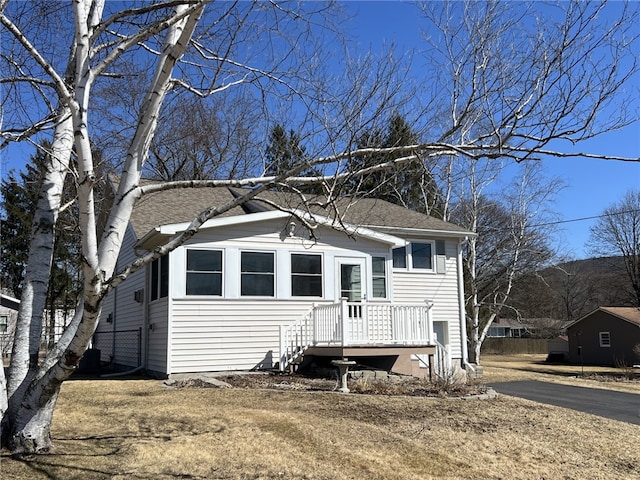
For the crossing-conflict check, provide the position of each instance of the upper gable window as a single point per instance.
(257, 274)
(416, 256)
(4, 323)
(605, 339)
(204, 272)
(306, 275)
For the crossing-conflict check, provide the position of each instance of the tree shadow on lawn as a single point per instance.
(94, 457)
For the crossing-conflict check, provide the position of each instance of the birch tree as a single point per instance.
(185, 59)
(510, 241)
(535, 94)
(528, 82)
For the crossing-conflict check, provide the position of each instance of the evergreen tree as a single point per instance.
(285, 152)
(410, 185)
(19, 196)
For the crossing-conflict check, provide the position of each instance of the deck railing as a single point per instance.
(357, 323)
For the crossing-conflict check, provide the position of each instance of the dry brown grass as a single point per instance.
(137, 429)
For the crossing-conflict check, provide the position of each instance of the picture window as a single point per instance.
(257, 274)
(306, 275)
(204, 272)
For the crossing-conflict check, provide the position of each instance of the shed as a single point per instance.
(606, 336)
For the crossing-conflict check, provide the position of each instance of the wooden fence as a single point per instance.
(514, 346)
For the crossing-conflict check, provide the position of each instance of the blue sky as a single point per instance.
(591, 185)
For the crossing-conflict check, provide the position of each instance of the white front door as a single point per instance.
(352, 285)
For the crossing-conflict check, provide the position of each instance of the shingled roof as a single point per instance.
(181, 205)
(630, 314)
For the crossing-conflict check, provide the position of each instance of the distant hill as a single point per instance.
(568, 291)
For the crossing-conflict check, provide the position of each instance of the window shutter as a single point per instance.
(441, 257)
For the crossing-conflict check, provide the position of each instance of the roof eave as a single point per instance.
(155, 236)
(603, 309)
(424, 231)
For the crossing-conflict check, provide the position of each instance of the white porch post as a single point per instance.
(430, 331)
(283, 348)
(314, 324)
(344, 321)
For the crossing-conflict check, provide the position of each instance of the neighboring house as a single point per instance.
(507, 327)
(527, 328)
(253, 289)
(8, 314)
(55, 323)
(606, 336)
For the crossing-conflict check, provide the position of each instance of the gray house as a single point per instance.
(252, 289)
(606, 336)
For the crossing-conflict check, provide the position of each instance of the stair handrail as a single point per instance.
(442, 361)
(295, 339)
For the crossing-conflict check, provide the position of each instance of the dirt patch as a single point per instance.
(395, 385)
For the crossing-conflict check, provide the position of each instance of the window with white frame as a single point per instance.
(417, 256)
(4, 323)
(421, 256)
(160, 278)
(257, 274)
(204, 272)
(400, 257)
(306, 275)
(379, 274)
(605, 339)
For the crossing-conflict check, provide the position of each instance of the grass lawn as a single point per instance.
(138, 429)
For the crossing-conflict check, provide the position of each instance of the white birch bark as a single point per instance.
(31, 423)
(24, 357)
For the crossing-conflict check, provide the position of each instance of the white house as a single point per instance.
(253, 289)
(8, 314)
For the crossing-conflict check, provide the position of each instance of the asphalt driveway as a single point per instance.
(605, 403)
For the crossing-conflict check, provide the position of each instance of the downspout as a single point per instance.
(461, 308)
(146, 294)
(113, 325)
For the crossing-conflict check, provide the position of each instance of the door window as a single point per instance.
(351, 282)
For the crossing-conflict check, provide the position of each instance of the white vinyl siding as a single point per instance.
(440, 290)
(158, 336)
(239, 333)
(229, 334)
(127, 314)
(234, 332)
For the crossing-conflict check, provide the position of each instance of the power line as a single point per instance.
(559, 222)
